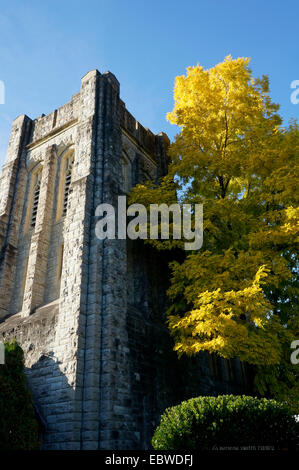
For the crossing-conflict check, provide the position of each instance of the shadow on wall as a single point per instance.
(53, 398)
(158, 379)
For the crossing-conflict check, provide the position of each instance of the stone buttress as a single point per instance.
(88, 313)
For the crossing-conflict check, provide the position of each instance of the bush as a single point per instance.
(204, 423)
(18, 425)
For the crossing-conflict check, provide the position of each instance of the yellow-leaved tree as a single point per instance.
(238, 295)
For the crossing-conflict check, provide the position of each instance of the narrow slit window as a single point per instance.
(60, 261)
(67, 183)
(36, 193)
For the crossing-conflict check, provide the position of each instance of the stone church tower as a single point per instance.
(88, 313)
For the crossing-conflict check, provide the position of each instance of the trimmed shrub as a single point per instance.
(18, 425)
(226, 421)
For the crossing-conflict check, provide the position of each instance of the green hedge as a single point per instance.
(18, 425)
(207, 423)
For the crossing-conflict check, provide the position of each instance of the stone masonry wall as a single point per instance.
(98, 356)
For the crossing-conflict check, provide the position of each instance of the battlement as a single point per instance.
(45, 126)
(143, 136)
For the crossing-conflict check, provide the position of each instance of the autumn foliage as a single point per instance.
(238, 295)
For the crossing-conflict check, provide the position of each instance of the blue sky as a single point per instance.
(47, 46)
